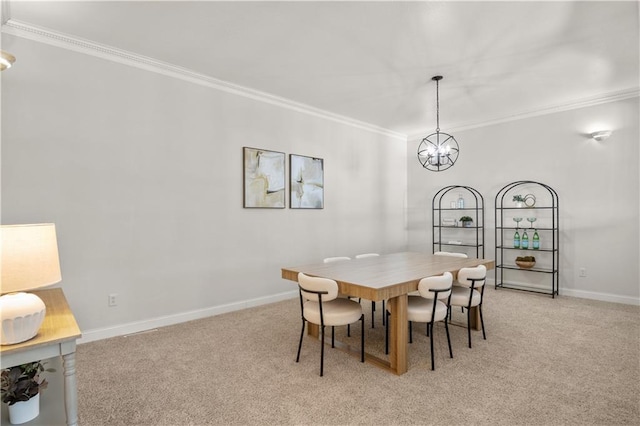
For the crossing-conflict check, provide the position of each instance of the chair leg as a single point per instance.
(446, 328)
(433, 366)
(322, 352)
(386, 332)
(384, 314)
(410, 332)
(300, 344)
(362, 339)
(333, 337)
(484, 336)
(469, 325)
(373, 317)
(348, 330)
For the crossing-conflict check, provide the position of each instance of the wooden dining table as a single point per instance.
(389, 277)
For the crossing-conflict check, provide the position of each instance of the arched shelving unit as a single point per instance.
(449, 234)
(541, 207)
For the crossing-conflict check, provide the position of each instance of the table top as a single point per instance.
(385, 276)
(59, 324)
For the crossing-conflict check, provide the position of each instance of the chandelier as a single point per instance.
(439, 150)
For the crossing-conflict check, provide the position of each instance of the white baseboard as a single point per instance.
(604, 297)
(139, 326)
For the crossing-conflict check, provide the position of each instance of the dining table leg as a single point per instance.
(398, 334)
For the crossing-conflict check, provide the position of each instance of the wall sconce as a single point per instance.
(29, 261)
(601, 135)
(6, 60)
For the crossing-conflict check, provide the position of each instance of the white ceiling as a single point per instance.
(373, 61)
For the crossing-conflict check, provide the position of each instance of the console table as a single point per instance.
(56, 337)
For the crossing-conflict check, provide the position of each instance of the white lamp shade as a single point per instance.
(29, 261)
(29, 257)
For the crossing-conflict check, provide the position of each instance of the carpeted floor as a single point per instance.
(545, 362)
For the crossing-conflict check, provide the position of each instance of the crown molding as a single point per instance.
(577, 104)
(87, 47)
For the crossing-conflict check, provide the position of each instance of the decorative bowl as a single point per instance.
(525, 264)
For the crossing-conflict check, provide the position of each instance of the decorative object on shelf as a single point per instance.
(516, 239)
(531, 220)
(467, 221)
(6, 60)
(460, 201)
(29, 261)
(529, 200)
(448, 221)
(517, 220)
(536, 240)
(519, 200)
(601, 135)
(525, 240)
(438, 151)
(21, 386)
(525, 262)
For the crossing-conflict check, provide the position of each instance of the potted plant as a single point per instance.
(467, 221)
(519, 200)
(20, 387)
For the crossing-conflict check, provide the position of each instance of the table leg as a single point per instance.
(475, 318)
(70, 388)
(313, 329)
(398, 334)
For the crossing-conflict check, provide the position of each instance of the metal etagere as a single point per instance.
(540, 207)
(449, 234)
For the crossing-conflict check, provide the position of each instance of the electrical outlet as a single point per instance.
(583, 272)
(113, 299)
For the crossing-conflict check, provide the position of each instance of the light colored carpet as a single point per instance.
(545, 362)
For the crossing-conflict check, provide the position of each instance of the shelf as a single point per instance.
(547, 200)
(441, 210)
(534, 269)
(527, 250)
(458, 245)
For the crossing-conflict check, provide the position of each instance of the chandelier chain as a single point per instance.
(437, 105)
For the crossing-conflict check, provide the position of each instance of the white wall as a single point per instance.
(142, 174)
(597, 183)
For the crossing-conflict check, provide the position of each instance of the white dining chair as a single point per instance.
(430, 307)
(469, 293)
(319, 304)
(373, 303)
(450, 253)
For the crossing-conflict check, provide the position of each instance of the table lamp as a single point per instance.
(29, 261)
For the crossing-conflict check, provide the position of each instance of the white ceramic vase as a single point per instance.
(23, 411)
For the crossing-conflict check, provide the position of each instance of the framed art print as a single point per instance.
(264, 178)
(306, 176)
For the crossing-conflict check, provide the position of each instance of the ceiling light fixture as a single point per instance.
(438, 151)
(601, 135)
(6, 60)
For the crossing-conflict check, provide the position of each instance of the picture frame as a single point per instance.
(264, 180)
(306, 182)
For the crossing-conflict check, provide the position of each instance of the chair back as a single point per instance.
(316, 289)
(472, 277)
(362, 256)
(335, 259)
(450, 253)
(438, 287)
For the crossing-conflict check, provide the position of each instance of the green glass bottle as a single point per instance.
(516, 239)
(525, 240)
(536, 240)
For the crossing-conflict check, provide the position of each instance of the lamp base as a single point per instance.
(22, 315)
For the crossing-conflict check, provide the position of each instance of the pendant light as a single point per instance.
(439, 150)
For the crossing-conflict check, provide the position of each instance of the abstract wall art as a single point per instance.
(264, 178)
(306, 182)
